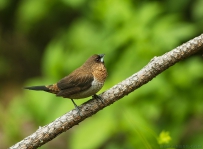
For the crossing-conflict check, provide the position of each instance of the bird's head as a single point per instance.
(95, 60)
(98, 58)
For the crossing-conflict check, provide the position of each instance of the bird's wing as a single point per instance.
(75, 83)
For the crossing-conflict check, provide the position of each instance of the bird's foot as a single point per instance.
(76, 107)
(98, 98)
(78, 110)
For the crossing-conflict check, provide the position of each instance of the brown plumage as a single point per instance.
(83, 82)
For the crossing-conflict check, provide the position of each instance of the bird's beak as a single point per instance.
(102, 57)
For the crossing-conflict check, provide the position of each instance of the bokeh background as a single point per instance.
(41, 41)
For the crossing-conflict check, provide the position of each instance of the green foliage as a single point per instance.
(130, 33)
(164, 138)
(3, 4)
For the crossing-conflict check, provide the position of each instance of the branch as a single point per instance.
(151, 70)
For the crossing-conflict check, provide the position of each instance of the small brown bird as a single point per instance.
(83, 82)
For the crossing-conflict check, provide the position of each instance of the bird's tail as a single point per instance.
(49, 88)
(38, 88)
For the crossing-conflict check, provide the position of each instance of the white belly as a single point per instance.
(96, 86)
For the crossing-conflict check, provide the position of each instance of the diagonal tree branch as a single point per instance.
(151, 70)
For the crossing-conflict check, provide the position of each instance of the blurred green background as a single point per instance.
(41, 41)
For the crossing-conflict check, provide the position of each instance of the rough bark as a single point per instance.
(151, 70)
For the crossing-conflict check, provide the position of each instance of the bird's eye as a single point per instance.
(98, 59)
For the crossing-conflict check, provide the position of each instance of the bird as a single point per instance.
(83, 82)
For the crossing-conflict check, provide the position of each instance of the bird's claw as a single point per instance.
(78, 110)
(98, 98)
(76, 107)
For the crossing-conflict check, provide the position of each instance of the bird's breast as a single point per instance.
(100, 72)
(95, 87)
